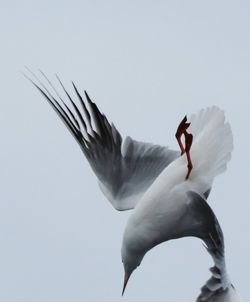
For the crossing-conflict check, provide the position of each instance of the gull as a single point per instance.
(167, 189)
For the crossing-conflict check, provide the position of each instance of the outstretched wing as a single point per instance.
(124, 168)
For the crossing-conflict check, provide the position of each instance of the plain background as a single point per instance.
(146, 64)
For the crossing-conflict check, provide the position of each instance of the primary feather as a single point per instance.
(125, 168)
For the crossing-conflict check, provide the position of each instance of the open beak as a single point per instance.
(126, 278)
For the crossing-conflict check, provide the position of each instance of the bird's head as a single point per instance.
(131, 260)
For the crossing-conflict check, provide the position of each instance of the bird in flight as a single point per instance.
(166, 188)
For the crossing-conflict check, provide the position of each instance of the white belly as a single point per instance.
(159, 214)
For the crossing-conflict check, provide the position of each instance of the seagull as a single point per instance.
(166, 189)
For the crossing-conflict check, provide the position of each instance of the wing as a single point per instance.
(218, 288)
(124, 168)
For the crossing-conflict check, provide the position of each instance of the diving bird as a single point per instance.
(167, 189)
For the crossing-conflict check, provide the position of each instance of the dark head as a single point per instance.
(131, 260)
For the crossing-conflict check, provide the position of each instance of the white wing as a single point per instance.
(124, 168)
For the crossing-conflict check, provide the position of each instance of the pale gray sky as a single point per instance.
(146, 64)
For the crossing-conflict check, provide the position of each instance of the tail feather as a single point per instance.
(212, 143)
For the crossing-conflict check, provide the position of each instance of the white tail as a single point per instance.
(212, 143)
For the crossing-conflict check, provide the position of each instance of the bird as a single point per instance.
(166, 189)
(175, 205)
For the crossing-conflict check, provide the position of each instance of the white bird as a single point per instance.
(166, 190)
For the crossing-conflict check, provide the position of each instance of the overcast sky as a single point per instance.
(146, 64)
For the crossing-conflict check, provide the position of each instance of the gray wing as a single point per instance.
(218, 288)
(124, 168)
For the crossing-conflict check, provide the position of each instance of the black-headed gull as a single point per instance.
(166, 189)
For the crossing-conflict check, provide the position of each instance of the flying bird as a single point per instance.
(166, 188)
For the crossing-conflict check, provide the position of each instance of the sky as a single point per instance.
(146, 64)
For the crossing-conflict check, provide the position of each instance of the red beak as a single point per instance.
(126, 278)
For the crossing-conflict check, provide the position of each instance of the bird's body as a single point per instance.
(167, 202)
(161, 208)
(165, 210)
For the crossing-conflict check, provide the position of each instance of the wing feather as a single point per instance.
(124, 168)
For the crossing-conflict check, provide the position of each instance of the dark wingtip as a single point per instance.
(87, 97)
(26, 76)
